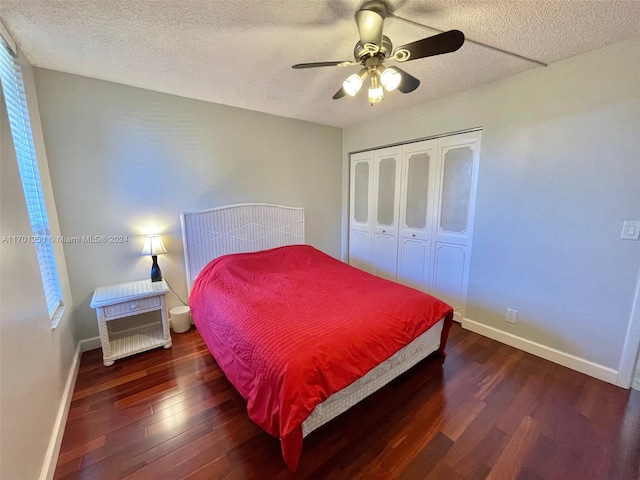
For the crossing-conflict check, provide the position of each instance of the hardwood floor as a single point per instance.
(486, 411)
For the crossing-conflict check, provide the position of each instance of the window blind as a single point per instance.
(20, 124)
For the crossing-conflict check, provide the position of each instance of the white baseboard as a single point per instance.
(53, 451)
(90, 344)
(548, 353)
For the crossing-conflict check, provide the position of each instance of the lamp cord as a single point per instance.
(174, 292)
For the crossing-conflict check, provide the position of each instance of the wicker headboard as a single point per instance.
(247, 227)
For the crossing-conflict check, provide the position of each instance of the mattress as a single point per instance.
(394, 366)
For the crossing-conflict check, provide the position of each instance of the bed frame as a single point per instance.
(241, 228)
(250, 227)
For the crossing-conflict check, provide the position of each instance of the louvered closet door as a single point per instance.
(454, 210)
(417, 194)
(360, 211)
(386, 212)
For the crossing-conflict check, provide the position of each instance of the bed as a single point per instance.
(302, 336)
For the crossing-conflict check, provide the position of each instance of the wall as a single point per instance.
(35, 360)
(125, 160)
(559, 172)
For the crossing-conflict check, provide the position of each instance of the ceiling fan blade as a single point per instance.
(339, 94)
(427, 47)
(369, 20)
(344, 63)
(408, 83)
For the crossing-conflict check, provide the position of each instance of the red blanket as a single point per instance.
(291, 326)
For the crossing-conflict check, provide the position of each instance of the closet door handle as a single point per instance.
(384, 231)
(413, 235)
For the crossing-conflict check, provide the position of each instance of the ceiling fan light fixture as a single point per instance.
(376, 94)
(390, 79)
(373, 48)
(353, 83)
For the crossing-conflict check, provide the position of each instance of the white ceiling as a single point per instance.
(240, 53)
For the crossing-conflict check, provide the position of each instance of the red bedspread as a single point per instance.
(291, 326)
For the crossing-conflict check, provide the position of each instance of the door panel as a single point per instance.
(457, 177)
(361, 183)
(413, 264)
(417, 191)
(360, 250)
(360, 210)
(385, 255)
(386, 198)
(449, 273)
(416, 196)
(456, 182)
(385, 220)
(360, 189)
(387, 187)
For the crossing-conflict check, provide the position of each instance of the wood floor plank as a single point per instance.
(456, 426)
(215, 469)
(512, 458)
(81, 450)
(427, 458)
(85, 392)
(485, 411)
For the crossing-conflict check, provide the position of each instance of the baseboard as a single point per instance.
(579, 364)
(90, 344)
(53, 451)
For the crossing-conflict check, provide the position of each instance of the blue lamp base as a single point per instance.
(156, 274)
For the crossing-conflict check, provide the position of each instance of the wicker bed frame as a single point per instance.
(250, 227)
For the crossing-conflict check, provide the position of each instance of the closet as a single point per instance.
(411, 214)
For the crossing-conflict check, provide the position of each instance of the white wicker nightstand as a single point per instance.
(125, 300)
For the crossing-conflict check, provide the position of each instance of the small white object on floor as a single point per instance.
(180, 319)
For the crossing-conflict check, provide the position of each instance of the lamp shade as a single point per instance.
(390, 78)
(352, 84)
(153, 246)
(375, 91)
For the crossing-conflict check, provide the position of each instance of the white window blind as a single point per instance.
(16, 101)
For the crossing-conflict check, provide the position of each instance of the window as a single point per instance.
(20, 124)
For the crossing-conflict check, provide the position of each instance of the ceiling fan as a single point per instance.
(374, 48)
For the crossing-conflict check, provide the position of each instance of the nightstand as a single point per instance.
(125, 300)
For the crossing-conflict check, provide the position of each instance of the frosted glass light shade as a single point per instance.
(153, 245)
(352, 84)
(390, 79)
(376, 94)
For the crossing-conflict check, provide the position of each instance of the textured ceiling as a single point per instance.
(240, 53)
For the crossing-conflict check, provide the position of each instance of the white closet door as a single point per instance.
(454, 209)
(385, 212)
(417, 194)
(361, 210)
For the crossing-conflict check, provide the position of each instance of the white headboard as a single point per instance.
(246, 227)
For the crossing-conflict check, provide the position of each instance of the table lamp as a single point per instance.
(153, 246)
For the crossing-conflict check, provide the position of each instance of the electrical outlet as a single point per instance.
(630, 230)
(511, 315)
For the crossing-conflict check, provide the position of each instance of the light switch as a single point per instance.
(630, 230)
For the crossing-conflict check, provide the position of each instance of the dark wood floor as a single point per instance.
(487, 411)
